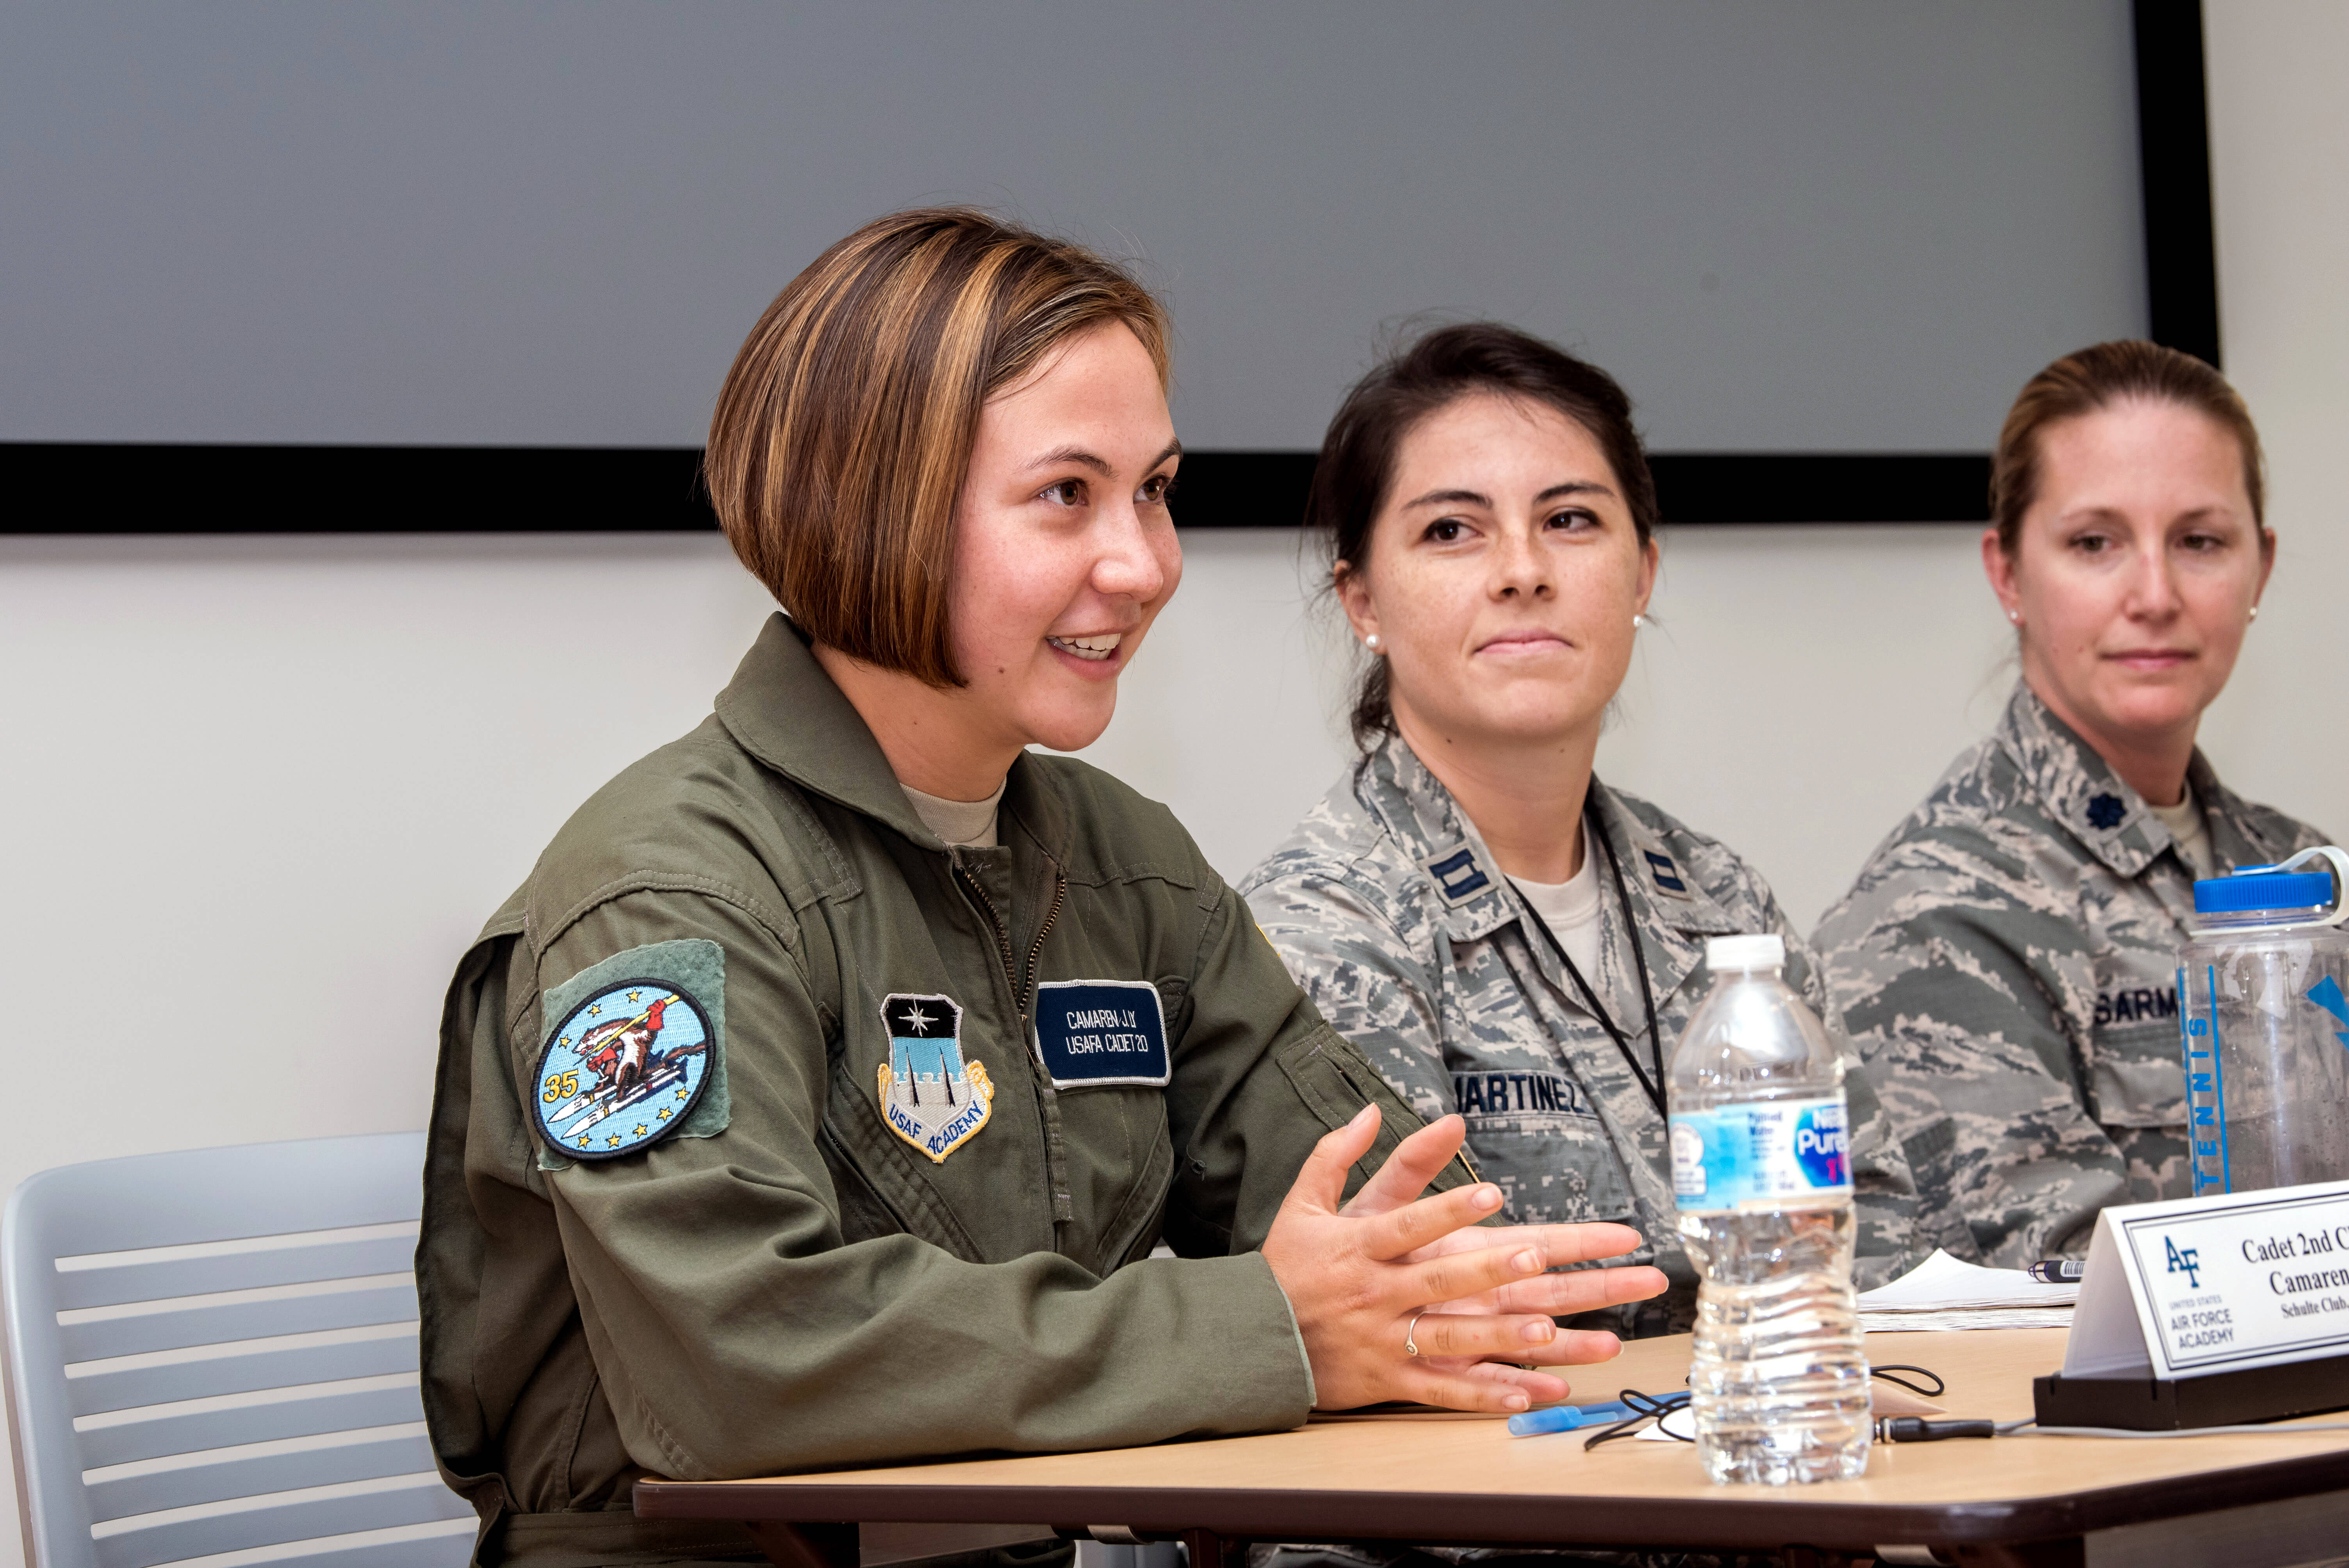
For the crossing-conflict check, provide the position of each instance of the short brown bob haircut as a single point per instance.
(2097, 377)
(843, 431)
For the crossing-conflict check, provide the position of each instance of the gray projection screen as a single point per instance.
(431, 267)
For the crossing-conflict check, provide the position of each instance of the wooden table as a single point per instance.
(2243, 1502)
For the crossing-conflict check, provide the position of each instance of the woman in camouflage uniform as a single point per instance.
(1499, 934)
(2006, 959)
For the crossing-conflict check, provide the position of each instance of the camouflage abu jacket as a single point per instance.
(2007, 965)
(1418, 950)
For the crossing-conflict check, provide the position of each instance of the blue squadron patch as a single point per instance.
(2106, 811)
(1091, 1032)
(1665, 874)
(622, 1070)
(930, 1097)
(1457, 875)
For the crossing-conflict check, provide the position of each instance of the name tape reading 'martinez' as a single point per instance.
(1094, 1033)
(2219, 1284)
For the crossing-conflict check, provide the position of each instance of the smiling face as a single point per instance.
(1065, 548)
(1502, 576)
(2134, 574)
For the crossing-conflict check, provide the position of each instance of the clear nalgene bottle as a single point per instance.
(1762, 1171)
(2263, 1020)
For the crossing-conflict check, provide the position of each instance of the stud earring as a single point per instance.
(2015, 616)
(2255, 611)
(1638, 622)
(1371, 642)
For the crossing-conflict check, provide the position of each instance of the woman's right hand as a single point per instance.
(1357, 1281)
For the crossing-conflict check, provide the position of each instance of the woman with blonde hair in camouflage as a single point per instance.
(1500, 933)
(2006, 959)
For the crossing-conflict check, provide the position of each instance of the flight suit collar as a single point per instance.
(2079, 790)
(783, 709)
(1476, 898)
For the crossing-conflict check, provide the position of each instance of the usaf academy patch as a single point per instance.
(1092, 1032)
(931, 1098)
(622, 1069)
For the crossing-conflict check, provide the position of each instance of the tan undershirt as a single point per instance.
(2184, 823)
(967, 822)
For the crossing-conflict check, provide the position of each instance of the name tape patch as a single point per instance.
(1095, 1031)
(1499, 1094)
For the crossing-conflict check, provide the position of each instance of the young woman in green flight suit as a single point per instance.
(821, 1096)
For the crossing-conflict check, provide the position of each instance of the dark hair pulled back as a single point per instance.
(2097, 377)
(1358, 455)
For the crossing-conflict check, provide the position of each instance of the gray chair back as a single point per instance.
(216, 1351)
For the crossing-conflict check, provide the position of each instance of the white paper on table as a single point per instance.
(1672, 1427)
(1966, 1317)
(1943, 1283)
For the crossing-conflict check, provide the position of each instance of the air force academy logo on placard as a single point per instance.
(932, 1097)
(621, 1071)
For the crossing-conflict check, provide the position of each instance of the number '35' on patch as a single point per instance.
(623, 1070)
(1093, 1033)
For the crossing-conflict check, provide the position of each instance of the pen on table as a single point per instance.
(2057, 1271)
(1567, 1417)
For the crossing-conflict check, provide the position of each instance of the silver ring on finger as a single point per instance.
(1411, 1336)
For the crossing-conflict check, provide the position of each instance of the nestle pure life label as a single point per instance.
(1761, 1152)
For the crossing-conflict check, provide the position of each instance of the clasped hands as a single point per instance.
(1357, 1276)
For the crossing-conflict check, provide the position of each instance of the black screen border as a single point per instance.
(160, 487)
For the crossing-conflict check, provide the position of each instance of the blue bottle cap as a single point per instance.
(2257, 888)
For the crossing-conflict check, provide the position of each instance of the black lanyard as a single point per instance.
(1654, 1086)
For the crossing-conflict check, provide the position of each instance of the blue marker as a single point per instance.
(1567, 1417)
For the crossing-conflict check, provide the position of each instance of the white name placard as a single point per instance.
(2211, 1284)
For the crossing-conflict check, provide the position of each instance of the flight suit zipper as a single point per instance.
(1023, 993)
(1002, 937)
(1023, 990)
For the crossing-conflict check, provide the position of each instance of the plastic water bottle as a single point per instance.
(1762, 1173)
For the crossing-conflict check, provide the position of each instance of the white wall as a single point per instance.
(256, 795)
(2280, 169)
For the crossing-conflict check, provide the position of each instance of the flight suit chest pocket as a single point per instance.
(1104, 1051)
(2134, 1073)
(946, 1125)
